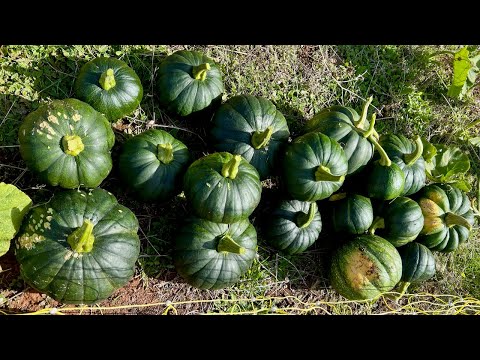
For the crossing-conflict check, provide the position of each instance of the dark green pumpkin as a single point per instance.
(399, 221)
(110, 86)
(252, 127)
(365, 267)
(418, 264)
(314, 167)
(78, 248)
(188, 81)
(343, 124)
(408, 156)
(153, 164)
(222, 187)
(448, 217)
(294, 226)
(67, 143)
(210, 255)
(385, 179)
(351, 213)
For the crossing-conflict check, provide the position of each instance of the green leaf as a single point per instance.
(448, 164)
(461, 68)
(429, 150)
(13, 207)
(475, 141)
(462, 185)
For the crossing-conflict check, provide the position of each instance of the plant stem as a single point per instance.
(72, 145)
(452, 219)
(415, 155)
(336, 197)
(323, 173)
(260, 139)
(165, 153)
(227, 244)
(230, 168)
(81, 240)
(359, 124)
(199, 72)
(384, 159)
(107, 80)
(378, 223)
(305, 219)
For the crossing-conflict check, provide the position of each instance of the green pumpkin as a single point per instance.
(252, 127)
(347, 127)
(351, 213)
(110, 86)
(78, 248)
(153, 164)
(210, 255)
(188, 81)
(385, 179)
(408, 156)
(365, 268)
(222, 187)
(418, 264)
(448, 217)
(399, 221)
(294, 226)
(67, 143)
(314, 167)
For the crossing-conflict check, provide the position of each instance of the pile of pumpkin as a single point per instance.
(82, 245)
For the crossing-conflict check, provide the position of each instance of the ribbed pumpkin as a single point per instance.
(408, 156)
(78, 248)
(67, 143)
(385, 179)
(188, 81)
(153, 164)
(314, 167)
(222, 187)
(110, 86)
(252, 127)
(399, 221)
(448, 217)
(210, 255)
(418, 264)
(351, 213)
(343, 124)
(365, 267)
(293, 226)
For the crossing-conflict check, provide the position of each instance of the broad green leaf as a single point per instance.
(429, 150)
(448, 164)
(461, 68)
(475, 141)
(14, 204)
(462, 185)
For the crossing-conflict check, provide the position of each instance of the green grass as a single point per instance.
(409, 87)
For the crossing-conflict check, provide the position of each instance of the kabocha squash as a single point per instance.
(351, 213)
(399, 221)
(408, 156)
(294, 226)
(153, 164)
(110, 86)
(78, 248)
(222, 187)
(14, 205)
(385, 180)
(67, 143)
(210, 255)
(349, 129)
(188, 81)
(448, 217)
(314, 167)
(252, 127)
(418, 264)
(365, 267)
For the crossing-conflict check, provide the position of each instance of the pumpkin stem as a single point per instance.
(336, 197)
(72, 145)
(303, 220)
(230, 168)
(378, 223)
(384, 159)
(165, 153)
(200, 71)
(452, 219)
(107, 80)
(227, 244)
(359, 124)
(401, 289)
(415, 155)
(371, 128)
(81, 239)
(260, 139)
(323, 173)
